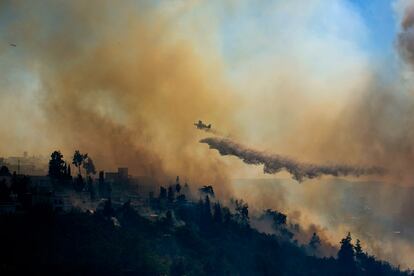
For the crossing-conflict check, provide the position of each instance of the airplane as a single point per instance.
(201, 125)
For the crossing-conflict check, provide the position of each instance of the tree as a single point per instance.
(88, 165)
(181, 199)
(242, 212)
(4, 191)
(78, 159)
(208, 190)
(79, 183)
(226, 214)
(217, 216)
(278, 218)
(186, 189)
(163, 193)
(359, 253)
(170, 194)
(4, 171)
(204, 208)
(358, 248)
(207, 208)
(177, 185)
(346, 255)
(314, 242)
(57, 167)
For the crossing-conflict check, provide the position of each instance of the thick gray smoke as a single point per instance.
(406, 36)
(274, 163)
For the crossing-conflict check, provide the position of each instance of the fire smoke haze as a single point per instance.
(320, 80)
(114, 81)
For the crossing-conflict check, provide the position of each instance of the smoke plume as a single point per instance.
(273, 163)
(119, 82)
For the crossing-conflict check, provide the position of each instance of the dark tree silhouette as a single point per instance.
(207, 208)
(160, 246)
(242, 212)
(204, 212)
(346, 255)
(218, 215)
(78, 159)
(185, 190)
(4, 171)
(181, 199)
(315, 241)
(4, 191)
(358, 248)
(178, 188)
(89, 166)
(177, 185)
(226, 214)
(65, 169)
(57, 167)
(278, 219)
(278, 223)
(360, 256)
(170, 194)
(163, 193)
(79, 183)
(208, 190)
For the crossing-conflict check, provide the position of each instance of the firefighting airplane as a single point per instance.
(201, 125)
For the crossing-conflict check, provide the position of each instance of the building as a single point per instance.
(104, 187)
(123, 173)
(8, 207)
(44, 193)
(42, 190)
(25, 164)
(116, 177)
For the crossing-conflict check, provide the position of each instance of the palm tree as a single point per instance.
(78, 159)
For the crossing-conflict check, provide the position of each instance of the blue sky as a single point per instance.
(380, 18)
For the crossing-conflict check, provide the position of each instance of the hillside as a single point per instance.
(187, 239)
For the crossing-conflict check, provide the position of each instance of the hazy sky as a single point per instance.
(246, 30)
(281, 61)
(270, 55)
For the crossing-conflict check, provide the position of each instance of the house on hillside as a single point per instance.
(44, 193)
